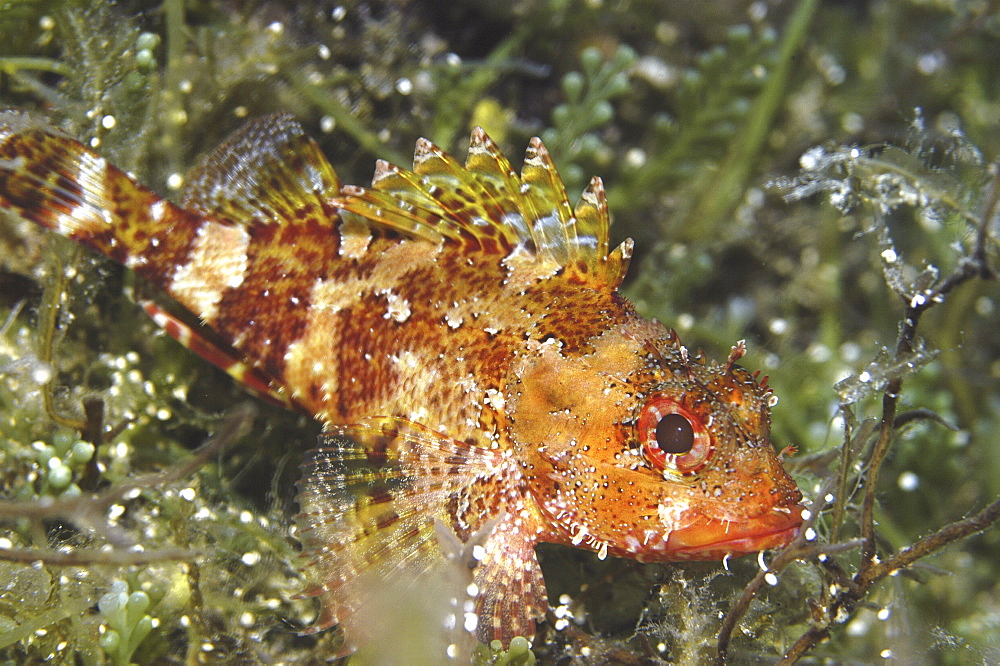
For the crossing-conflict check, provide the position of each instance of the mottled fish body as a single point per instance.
(458, 332)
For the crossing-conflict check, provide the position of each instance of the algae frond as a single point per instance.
(781, 188)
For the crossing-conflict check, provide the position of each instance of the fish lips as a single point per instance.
(715, 539)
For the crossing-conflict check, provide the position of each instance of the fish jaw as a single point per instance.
(716, 539)
(735, 523)
(755, 511)
(705, 539)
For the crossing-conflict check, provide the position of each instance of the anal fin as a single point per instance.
(218, 354)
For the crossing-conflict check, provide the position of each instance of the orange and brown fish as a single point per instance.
(458, 332)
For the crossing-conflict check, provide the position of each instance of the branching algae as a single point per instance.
(123, 470)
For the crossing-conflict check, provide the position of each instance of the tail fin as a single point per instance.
(244, 252)
(55, 181)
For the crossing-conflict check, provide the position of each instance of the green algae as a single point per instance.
(704, 120)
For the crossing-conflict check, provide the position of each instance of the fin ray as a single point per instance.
(370, 498)
(269, 171)
(57, 182)
(512, 593)
(226, 359)
(485, 206)
(554, 228)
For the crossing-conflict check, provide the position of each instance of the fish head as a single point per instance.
(635, 447)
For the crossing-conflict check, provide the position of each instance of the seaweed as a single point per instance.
(587, 108)
(883, 180)
(865, 285)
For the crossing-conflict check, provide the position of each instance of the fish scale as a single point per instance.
(457, 330)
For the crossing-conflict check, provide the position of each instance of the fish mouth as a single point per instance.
(720, 539)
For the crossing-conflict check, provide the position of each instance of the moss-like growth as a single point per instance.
(118, 465)
(517, 654)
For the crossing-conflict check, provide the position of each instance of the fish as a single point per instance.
(459, 332)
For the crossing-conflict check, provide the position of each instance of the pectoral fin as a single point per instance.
(403, 524)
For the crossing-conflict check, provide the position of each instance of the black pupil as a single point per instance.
(674, 434)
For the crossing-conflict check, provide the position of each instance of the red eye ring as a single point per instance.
(672, 438)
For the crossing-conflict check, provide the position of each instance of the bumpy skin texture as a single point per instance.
(459, 333)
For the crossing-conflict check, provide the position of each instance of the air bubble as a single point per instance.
(778, 326)
(908, 481)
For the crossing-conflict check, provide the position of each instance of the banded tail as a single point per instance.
(240, 241)
(53, 180)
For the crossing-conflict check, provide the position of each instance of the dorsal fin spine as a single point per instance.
(486, 206)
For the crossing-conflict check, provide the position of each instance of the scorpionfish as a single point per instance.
(459, 333)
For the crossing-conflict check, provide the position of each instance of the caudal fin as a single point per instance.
(243, 253)
(55, 181)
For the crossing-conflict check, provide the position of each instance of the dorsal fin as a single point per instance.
(269, 171)
(486, 207)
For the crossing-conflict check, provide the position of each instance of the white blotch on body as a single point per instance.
(398, 307)
(218, 261)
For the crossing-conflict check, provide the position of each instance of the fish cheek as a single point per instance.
(558, 401)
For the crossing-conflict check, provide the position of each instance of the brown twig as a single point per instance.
(856, 438)
(851, 596)
(871, 569)
(842, 598)
(922, 414)
(801, 548)
(67, 558)
(959, 529)
(916, 304)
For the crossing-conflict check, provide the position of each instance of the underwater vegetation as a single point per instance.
(820, 179)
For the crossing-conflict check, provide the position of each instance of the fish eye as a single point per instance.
(674, 434)
(672, 438)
